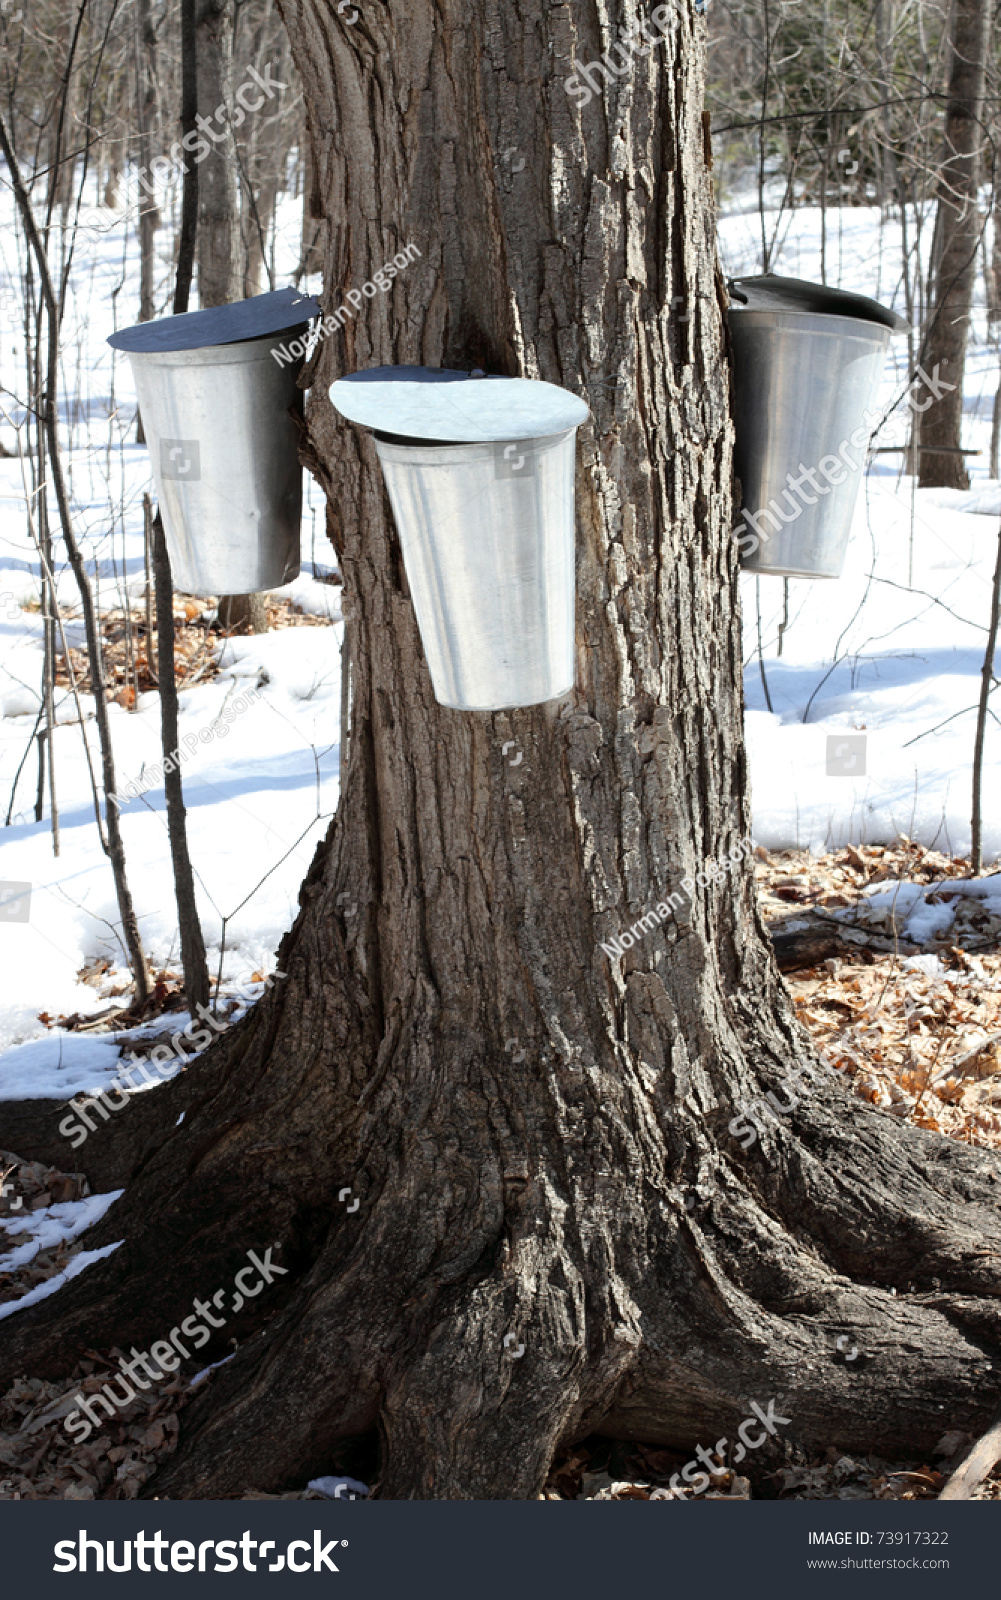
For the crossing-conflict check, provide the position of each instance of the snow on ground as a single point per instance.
(52, 1225)
(41, 1291)
(259, 793)
(59, 1066)
(890, 655)
(62, 1064)
(46, 1228)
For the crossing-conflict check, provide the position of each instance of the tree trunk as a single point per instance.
(149, 215)
(189, 192)
(220, 253)
(244, 613)
(218, 248)
(957, 241)
(196, 972)
(470, 1128)
(259, 220)
(986, 684)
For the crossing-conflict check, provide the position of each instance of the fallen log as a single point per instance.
(811, 937)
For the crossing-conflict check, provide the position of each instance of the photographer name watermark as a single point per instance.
(326, 325)
(218, 728)
(664, 910)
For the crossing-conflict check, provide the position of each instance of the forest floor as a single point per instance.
(919, 1035)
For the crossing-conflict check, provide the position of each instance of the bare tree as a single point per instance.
(146, 98)
(47, 400)
(189, 129)
(196, 972)
(958, 229)
(218, 248)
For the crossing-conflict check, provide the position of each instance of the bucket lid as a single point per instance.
(772, 293)
(242, 319)
(437, 403)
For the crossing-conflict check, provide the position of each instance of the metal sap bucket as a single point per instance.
(216, 390)
(480, 476)
(807, 363)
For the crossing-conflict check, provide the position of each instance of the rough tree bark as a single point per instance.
(149, 214)
(218, 248)
(958, 227)
(460, 1118)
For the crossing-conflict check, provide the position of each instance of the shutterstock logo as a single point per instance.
(846, 755)
(72, 1554)
(180, 459)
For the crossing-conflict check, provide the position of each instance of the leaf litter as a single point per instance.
(918, 1035)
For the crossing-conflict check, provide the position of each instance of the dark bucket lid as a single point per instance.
(243, 319)
(771, 293)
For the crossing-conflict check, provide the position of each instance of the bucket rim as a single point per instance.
(235, 353)
(834, 324)
(413, 447)
(789, 572)
(755, 290)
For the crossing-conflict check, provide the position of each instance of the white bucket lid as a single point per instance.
(436, 403)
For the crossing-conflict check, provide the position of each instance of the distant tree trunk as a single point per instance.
(110, 835)
(258, 221)
(993, 273)
(219, 266)
(220, 256)
(267, 138)
(189, 192)
(499, 1158)
(149, 215)
(244, 613)
(313, 246)
(111, 187)
(956, 243)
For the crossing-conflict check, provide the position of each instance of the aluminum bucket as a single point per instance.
(224, 453)
(487, 535)
(802, 384)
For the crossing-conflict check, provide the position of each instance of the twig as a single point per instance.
(969, 1055)
(148, 562)
(27, 752)
(976, 825)
(761, 658)
(783, 625)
